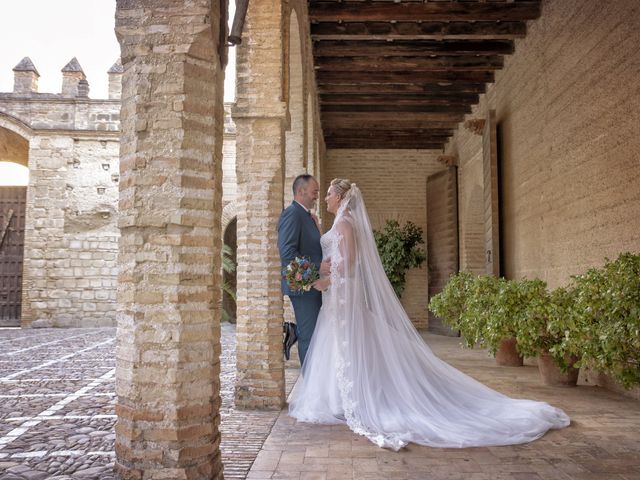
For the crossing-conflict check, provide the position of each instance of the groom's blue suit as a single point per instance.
(298, 236)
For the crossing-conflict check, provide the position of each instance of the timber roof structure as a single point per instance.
(403, 74)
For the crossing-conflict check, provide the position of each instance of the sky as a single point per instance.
(52, 32)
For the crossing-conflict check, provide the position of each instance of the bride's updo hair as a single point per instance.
(341, 186)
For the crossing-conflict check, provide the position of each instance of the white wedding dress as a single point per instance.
(368, 367)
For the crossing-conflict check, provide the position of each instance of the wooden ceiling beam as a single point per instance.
(349, 11)
(403, 118)
(411, 48)
(413, 64)
(341, 122)
(401, 88)
(374, 109)
(398, 99)
(390, 132)
(418, 31)
(440, 77)
(368, 144)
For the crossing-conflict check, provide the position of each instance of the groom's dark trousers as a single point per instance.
(298, 236)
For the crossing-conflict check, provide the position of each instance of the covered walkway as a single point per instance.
(603, 442)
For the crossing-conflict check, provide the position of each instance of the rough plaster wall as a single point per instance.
(393, 183)
(566, 103)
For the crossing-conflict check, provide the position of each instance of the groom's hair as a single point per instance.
(301, 181)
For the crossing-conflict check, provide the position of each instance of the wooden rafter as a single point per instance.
(440, 77)
(321, 11)
(403, 74)
(411, 48)
(418, 31)
(399, 99)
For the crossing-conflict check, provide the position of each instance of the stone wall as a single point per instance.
(71, 234)
(569, 147)
(394, 186)
(71, 146)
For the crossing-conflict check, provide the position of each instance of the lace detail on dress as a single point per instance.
(345, 385)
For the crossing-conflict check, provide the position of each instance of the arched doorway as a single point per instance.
(14, 179)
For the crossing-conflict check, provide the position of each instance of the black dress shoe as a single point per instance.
(290, 337)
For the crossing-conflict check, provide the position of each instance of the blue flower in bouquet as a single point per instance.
(300, 274)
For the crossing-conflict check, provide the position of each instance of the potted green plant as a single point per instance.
(546, 329)
(482, 309)
(399, 249)
(451, 303)
(607, 316)
(505, 306)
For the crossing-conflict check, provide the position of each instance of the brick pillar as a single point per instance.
(259, 116)
(168, 340)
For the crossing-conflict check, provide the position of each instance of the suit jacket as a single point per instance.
(298, 236)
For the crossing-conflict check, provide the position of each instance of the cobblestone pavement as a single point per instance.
(602, 443)
(57, 406)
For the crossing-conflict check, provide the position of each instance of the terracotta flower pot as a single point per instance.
(551, 374)
(507, 354)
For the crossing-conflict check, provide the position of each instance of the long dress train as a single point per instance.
(368, 367)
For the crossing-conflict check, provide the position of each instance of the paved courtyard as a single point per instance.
(57, 397)
(57, 417)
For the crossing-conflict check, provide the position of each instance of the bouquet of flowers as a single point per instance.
(300, 274)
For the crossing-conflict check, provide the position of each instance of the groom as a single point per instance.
(298, 236)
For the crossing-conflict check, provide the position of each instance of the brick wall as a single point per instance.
(394, 186)
(570, 144)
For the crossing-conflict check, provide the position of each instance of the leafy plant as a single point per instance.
(399, 249)
(547, 324)
(607, 316)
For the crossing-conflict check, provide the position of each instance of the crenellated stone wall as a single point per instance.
(72, 151)
(71, 235)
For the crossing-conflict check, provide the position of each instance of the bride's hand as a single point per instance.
(321, 284)
(325, 267)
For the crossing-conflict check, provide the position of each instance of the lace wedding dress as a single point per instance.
(368, 367)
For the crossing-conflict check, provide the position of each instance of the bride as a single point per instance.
(368, 367)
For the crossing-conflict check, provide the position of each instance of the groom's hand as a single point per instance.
(325, 267)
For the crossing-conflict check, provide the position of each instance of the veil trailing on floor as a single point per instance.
(369, 367)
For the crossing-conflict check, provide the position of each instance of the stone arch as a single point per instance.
(14, 179)
(295, 155)
(15, 137)
(229, 213)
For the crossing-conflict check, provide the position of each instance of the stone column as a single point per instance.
(168, 340)
(259, 116)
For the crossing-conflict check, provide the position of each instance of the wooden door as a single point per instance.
(490, 174)
(12, 212)
(442, 238)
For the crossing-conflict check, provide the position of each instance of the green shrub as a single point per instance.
(607, 315)
(399, 249)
